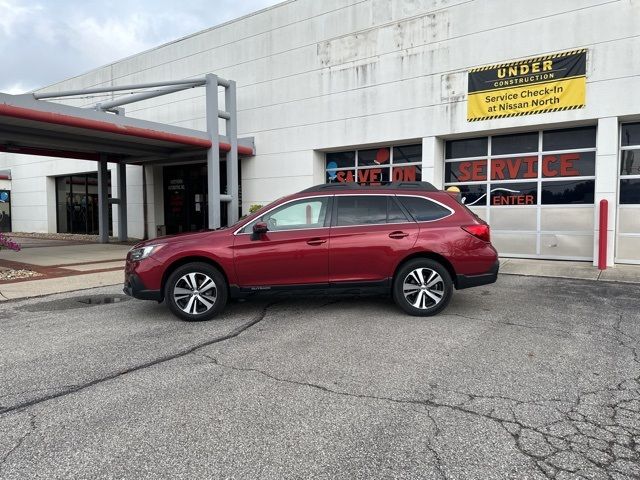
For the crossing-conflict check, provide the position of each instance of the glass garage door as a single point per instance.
(535, 189)
(628, 231)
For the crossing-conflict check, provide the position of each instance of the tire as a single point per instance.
(413, 295)
(203, 304)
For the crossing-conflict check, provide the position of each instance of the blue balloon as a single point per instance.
(331, 170)
(4, 196)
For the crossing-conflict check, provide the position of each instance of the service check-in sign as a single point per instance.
(535, 85)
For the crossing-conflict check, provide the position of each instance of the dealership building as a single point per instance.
(529, 108)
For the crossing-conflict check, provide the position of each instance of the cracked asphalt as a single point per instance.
(527, 378)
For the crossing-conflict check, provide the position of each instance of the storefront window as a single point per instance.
(469, 147)
(569, 139)
(630, 164)
(375, 166)
(565, 175)
(518, 143)
(77, 204)
(569, 192)
(5, 211)
(514, 194)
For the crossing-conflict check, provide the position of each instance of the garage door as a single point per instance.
(535, 189)
(628, 231)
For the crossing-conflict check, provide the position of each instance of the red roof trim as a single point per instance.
(101, 126)
(46, 152)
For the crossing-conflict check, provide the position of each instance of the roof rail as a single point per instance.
(412, 186)
(332, 186)
(425, 186)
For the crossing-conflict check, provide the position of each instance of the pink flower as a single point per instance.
(6, 242)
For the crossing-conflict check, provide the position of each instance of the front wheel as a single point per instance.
(196, 291)
(422, 287)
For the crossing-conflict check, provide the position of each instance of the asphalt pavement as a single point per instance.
(528, 378)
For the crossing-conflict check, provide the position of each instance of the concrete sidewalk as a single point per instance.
(566, 269)
(63, 267)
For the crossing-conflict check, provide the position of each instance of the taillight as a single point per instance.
(480, 231)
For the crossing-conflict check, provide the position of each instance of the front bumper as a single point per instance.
(134, 287)
(468, 281)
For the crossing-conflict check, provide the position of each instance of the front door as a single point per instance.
(294, 251)
(185, 198)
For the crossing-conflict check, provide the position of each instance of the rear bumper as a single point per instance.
(134, 287)
(468, 281)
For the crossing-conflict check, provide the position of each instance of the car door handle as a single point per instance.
(398, 234)
(316, 241)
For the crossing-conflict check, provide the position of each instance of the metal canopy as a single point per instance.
(35, 127)
(29, 125)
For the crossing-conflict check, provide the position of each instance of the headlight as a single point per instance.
(138, 254)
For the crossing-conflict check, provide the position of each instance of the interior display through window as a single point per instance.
(375, 166)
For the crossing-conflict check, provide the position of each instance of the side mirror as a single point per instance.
(259, 228)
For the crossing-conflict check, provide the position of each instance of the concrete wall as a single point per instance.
(316, 75)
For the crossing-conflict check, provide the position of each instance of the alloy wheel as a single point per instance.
(423, 288)
(195, 293)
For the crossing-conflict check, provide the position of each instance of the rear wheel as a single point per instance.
(422, 287)
(196, 292)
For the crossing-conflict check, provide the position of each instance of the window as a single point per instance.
(77, 204)
(422, 209)
(297, 215)
(519, 143)
(569, 192)
(361, 210)
(630, 191)
(630, 134)
(569, 139)
(5, 210)
(510, 170)
(375, 166)
(514, 194)
(394, 212)
(630, 164)
(470, 147)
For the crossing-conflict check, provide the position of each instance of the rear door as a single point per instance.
(369, 236)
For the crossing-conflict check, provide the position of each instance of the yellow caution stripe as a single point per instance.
(519, 114)
(528, 60)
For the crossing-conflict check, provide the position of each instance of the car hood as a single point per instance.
(182, 237)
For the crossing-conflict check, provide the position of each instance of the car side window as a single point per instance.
(361, 210)
(297, 215)
(422, 209)
(394, 212)
(367, 210)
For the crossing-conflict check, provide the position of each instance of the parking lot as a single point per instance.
(527, 378)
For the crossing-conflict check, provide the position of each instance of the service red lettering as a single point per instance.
(566, 165)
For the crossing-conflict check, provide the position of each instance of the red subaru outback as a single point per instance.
(409, 240)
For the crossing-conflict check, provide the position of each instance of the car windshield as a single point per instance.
(253, 215)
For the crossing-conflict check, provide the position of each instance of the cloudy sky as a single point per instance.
(44, 41)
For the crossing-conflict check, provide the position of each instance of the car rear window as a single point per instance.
(423, 209)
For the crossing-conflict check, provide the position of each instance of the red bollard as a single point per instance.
(602, 240)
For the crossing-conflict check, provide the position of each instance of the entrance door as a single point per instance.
(185, 205)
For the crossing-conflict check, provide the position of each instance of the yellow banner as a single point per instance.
(541, 98)
(549, 83)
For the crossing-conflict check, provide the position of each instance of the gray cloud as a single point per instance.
(43, 42)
